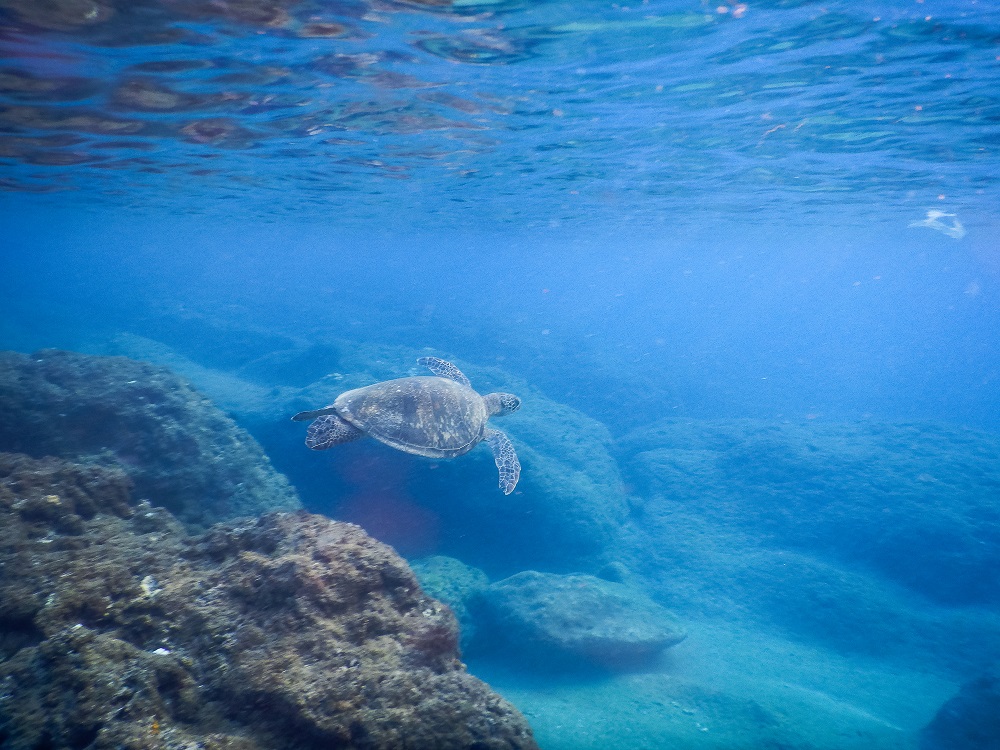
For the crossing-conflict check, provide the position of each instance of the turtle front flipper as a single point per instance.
(444, 369)
(505, 457)
(330, 430)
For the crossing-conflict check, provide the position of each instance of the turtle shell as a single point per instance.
(428, 416)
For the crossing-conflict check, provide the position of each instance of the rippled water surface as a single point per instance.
(527, 112)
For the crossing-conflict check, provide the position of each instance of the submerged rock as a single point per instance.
(178, 449)
(454, 583)
(558, 617)
(968, 721)
(915, 502)
(119, 629)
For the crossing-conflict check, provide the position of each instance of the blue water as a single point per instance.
(696, 235)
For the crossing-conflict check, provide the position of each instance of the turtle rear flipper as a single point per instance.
(505, 457)
(444, 369)
(330, 430)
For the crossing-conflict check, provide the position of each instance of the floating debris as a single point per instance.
(933, 221)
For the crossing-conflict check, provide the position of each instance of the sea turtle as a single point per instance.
(437, 416)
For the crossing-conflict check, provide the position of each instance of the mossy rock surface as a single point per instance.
(454, 583)
(121, 629)
(179, 450)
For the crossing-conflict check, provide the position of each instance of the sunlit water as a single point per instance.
(518, 113)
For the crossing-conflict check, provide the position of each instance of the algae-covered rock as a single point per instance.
(545, 615)
(178, 449)
(121, 630)
(454, 583)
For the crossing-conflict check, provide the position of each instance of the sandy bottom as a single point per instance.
(729, 688)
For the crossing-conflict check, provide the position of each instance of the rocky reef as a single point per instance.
(870, 539)
(121, 629)
(178, 449)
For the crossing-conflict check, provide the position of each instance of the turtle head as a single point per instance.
(501, 403)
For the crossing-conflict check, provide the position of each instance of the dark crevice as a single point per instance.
(17, 634)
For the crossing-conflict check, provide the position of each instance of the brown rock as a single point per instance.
(291, 631)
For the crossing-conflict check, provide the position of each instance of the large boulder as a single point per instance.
(180, 451)
(120, 629)
(555, 619)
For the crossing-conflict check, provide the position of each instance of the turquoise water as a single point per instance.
(740, 261)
